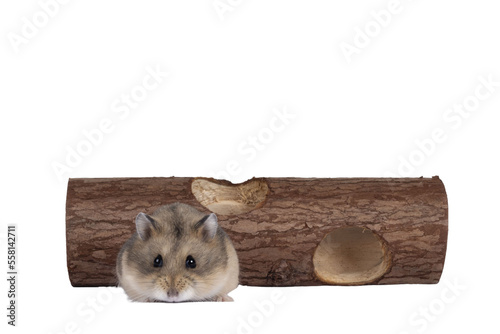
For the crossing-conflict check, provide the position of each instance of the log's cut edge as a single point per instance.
(425, 266)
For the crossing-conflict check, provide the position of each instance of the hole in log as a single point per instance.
(225, 198)
(351, 256)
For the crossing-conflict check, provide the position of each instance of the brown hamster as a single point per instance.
(178, 254)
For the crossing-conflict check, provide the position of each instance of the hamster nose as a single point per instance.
(172, 292)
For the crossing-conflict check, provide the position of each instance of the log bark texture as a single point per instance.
(278, 236)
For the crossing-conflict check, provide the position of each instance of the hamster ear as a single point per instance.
(208, 226)
(145, 225)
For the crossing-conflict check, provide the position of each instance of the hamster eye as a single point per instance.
(190, 262)
(158, 262)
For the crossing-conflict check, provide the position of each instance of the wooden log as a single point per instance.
(287, 231)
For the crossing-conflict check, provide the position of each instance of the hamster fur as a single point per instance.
(178, 254)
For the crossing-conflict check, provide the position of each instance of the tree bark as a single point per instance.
(371, 230)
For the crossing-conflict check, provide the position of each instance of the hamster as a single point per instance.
(178, 254)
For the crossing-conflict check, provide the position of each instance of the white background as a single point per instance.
(226, 76)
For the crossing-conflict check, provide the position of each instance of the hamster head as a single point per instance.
(177, 254)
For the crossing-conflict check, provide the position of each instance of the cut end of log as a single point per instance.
(351, 256)
(225, 198)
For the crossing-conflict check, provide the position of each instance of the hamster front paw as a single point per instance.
(224, 298)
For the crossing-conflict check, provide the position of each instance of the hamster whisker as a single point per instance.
(189, 278)
(139, 296)
(202, 298)
(149, 281)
